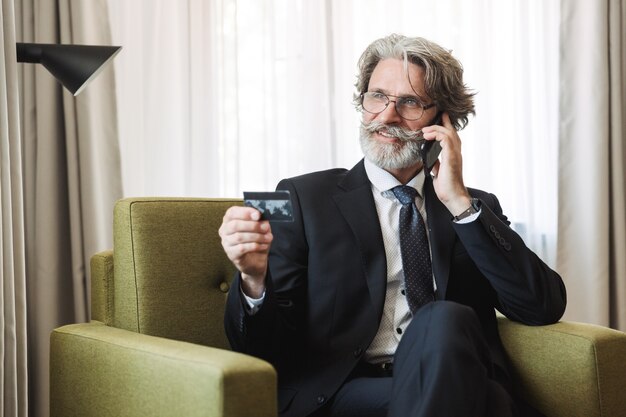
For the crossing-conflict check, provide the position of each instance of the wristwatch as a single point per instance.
(473, 209)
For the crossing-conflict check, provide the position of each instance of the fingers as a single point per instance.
(241, 225)
(434, 170)
(445, 134)
(241, 220)
(242, 213)
(244, 235)
(447, 173)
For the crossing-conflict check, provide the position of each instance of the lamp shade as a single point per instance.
(73, 65)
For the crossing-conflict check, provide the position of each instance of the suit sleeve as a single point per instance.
(277, 328)
(528, 290)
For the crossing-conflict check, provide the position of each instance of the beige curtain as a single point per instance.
(592, 158)
(13, 369)
(71, 177)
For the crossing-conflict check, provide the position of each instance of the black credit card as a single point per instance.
(273, 205)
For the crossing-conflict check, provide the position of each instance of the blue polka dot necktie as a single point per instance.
(418, 275)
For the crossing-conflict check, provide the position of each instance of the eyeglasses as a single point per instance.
(409, 108)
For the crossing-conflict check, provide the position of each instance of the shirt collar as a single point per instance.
(383, 181)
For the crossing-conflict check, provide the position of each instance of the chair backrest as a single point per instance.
(171, 275)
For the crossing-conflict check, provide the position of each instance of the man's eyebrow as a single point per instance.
(386, 92)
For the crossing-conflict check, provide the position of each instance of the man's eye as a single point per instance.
(377, 96)
(410, 102)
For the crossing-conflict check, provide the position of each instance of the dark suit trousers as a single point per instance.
(442, 367)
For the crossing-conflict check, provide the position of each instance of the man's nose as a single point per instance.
(390, 114)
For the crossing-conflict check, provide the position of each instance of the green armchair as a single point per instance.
(156, 345)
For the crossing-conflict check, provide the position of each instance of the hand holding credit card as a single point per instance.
(273, 205)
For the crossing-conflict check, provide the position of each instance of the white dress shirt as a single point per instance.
(396, 314)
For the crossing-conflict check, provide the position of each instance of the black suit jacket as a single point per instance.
(327, 281)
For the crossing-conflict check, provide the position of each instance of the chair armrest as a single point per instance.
(97, 370)
(568, 369)
(102, 287)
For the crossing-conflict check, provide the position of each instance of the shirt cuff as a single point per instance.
(252, 305)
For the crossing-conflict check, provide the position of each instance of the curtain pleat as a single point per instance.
(13, 344)
(617, 124)
(592, 226)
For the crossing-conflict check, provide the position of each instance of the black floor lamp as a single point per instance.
(73, 65)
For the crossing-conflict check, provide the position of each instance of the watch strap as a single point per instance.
(472, 209)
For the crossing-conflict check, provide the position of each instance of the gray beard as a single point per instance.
(390, 156)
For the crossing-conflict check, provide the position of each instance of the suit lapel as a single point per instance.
(356, 204)
(442, 238)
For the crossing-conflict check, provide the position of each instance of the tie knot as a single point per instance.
(405, 194)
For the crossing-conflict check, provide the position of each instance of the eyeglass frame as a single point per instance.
(395, 104)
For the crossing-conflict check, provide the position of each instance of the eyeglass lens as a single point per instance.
(408, 108)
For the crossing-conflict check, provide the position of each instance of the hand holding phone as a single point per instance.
(430, 149)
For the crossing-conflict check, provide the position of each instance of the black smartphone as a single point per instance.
(430, 149)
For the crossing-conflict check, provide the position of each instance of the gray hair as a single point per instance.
(443, 74)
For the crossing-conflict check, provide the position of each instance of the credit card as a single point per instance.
(273, 205)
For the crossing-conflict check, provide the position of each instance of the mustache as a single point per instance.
(405, 135)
